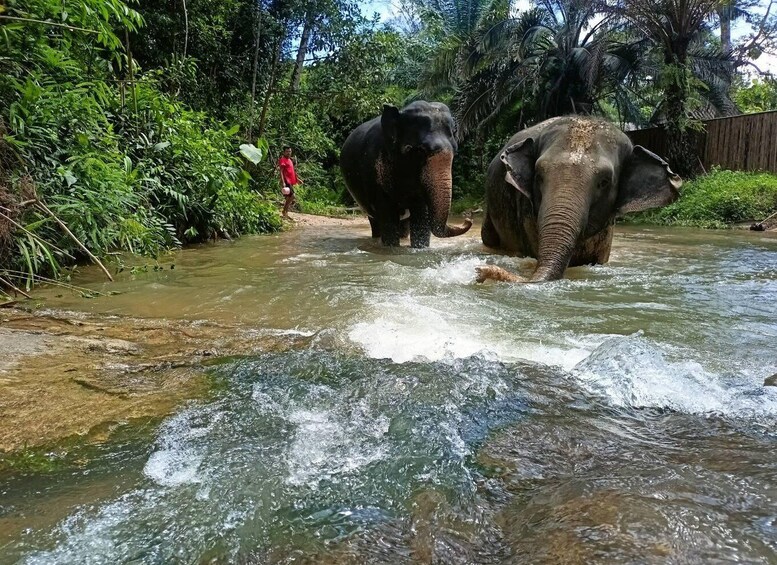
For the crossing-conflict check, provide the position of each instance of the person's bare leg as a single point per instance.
(287, 205)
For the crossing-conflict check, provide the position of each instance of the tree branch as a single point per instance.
(46, 209)
(52, 24)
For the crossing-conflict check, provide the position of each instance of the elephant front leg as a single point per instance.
(488, 233)
(374, 226)
(420, 228)
(390, 232)
(594, 250)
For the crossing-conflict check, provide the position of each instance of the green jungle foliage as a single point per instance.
(718, 200)
(143, 125)
(758, 96)
(123, 165)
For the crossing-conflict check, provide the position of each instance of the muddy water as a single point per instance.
(616, 416)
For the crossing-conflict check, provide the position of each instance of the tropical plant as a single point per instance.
(553, 59)
(677, 32)
(760, 95)
(94, 158)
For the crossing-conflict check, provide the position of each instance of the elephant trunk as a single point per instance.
(560, 226)
(437, 180)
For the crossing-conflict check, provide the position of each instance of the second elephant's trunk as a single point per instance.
(437, 180)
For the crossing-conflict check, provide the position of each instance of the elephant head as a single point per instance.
(421, 142)
(577, 175)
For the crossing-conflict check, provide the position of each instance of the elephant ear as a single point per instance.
(646, 182)
(389, 122)
(519, 161)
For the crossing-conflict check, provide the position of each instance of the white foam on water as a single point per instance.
(173, 467)
(281, 333)
(437, 313)
(87, 539)
(417, 334)
(236, 292)
(324, 446)
(306, 257)
(458, 271)
(409, 328)
(330, 438)
(178, 457)
(633, 372)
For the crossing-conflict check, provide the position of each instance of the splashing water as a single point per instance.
(617, 415)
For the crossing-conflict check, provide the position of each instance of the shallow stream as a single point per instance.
(615, 416)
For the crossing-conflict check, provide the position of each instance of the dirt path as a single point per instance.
(302, 220)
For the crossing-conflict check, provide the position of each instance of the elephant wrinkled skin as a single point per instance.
(555, 189)
(398, 169)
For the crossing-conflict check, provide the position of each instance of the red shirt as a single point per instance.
(287, 171)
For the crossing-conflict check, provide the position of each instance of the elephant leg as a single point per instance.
(374, 226)
(594, 250)
(404, 228)
(390, 232)
(420, 228)
(488, 233)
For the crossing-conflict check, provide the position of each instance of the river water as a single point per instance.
(615, 416)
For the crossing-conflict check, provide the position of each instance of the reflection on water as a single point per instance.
(614, 416)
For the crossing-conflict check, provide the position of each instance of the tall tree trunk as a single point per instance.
(304, 40)
(257, 38)
(724, 13)
(131, 68)
(186, 30)
(681, 147)
(271, 86)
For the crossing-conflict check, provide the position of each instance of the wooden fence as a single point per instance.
(741, 143)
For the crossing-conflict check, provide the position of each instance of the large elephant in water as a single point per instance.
(555, 189)
(398, 169)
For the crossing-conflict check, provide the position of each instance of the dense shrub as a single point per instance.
(123, 165)
(718, 200)
(190, 171)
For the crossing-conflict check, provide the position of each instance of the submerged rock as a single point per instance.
(64, 374)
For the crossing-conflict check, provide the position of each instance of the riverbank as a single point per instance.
(719, 200)
(70, 373)
(310, 220)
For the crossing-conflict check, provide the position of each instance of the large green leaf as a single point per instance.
(252, 153)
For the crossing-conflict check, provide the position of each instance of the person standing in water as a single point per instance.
(289, 178)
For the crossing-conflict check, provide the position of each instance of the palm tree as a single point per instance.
(729, 11)
(551, 60)
(457, 27)
(677, 31)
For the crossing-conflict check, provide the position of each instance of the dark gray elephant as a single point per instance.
(398, 169)
(555, 189)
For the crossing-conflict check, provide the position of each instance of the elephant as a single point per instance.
(555, 189)
(398, 169)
